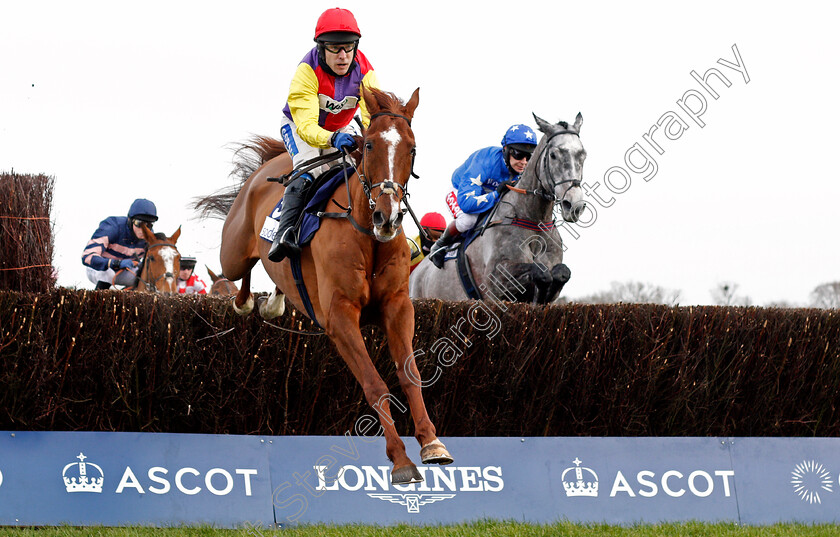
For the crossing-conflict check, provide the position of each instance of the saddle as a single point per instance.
(317, 197)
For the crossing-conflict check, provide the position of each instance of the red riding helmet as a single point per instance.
(336, 25)
(433, 221)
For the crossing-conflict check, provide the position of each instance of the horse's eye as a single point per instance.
(369, 146)
(413, 151)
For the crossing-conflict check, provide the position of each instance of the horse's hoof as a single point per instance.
(435, 453)
(272, 307)
(406, 475)
(247, 308)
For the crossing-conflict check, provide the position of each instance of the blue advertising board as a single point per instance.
(788, 479)
(615, 480)
(86, 478)
(79, 478)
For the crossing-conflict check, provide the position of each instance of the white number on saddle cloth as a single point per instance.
(269, 229)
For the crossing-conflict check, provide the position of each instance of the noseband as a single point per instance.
(152, 283)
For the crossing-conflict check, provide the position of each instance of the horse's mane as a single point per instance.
(247, 158)
(386, 100)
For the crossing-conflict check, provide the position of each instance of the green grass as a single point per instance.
(477, 529)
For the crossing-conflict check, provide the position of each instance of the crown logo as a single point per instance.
(576, 485)
(76, 478)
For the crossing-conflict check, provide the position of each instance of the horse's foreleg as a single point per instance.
(560, 274)
(274, 306)
(398, 317)
(343, 329)
(243, 303)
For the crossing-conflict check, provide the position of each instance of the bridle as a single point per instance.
(151, 284)
(368, 186)
(542, 190)
(384, 186)
(221, 280)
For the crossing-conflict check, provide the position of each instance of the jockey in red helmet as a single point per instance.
(434, 224)
(323, 98)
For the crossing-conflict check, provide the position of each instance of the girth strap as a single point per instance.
(297, 274)
(465, 273)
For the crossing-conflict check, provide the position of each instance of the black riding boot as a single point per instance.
(285, 241)
(101, 286)
(438, 252)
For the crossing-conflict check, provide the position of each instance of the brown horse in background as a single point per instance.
(353, 277)
(160, 263)
(221, 285)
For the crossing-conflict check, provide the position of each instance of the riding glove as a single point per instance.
(342, 141)
(503, 186)
(118, 264)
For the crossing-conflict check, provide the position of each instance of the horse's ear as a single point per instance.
(578, 122)
(212, 274)
(412, 103)
(148, 236)
(174, 237)
(370, 101)
(544, 125)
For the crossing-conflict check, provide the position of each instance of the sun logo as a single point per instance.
(808, 478)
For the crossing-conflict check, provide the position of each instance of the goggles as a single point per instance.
(335, 48)
(519, 154)
(139, 223)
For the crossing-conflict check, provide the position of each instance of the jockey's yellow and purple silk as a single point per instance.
(320, 104)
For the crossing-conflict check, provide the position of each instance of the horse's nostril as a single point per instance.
(378, 218)
(398, 220)
(578, 210)
(566, 206)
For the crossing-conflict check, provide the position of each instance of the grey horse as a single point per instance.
(519, 257)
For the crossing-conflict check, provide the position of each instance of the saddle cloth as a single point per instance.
(466, 237)
(319, 196)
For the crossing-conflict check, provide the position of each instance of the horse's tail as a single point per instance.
(247, 158)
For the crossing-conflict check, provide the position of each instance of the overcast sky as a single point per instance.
(122, 100)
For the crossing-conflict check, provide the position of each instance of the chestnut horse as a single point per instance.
(221, 285)
(160, 263)
(353, 271)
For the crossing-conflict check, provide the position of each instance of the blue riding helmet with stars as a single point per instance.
(520, 134)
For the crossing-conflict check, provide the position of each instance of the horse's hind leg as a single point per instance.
(243, 302)
(274, 306)
(398, 317)
(343, 329)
